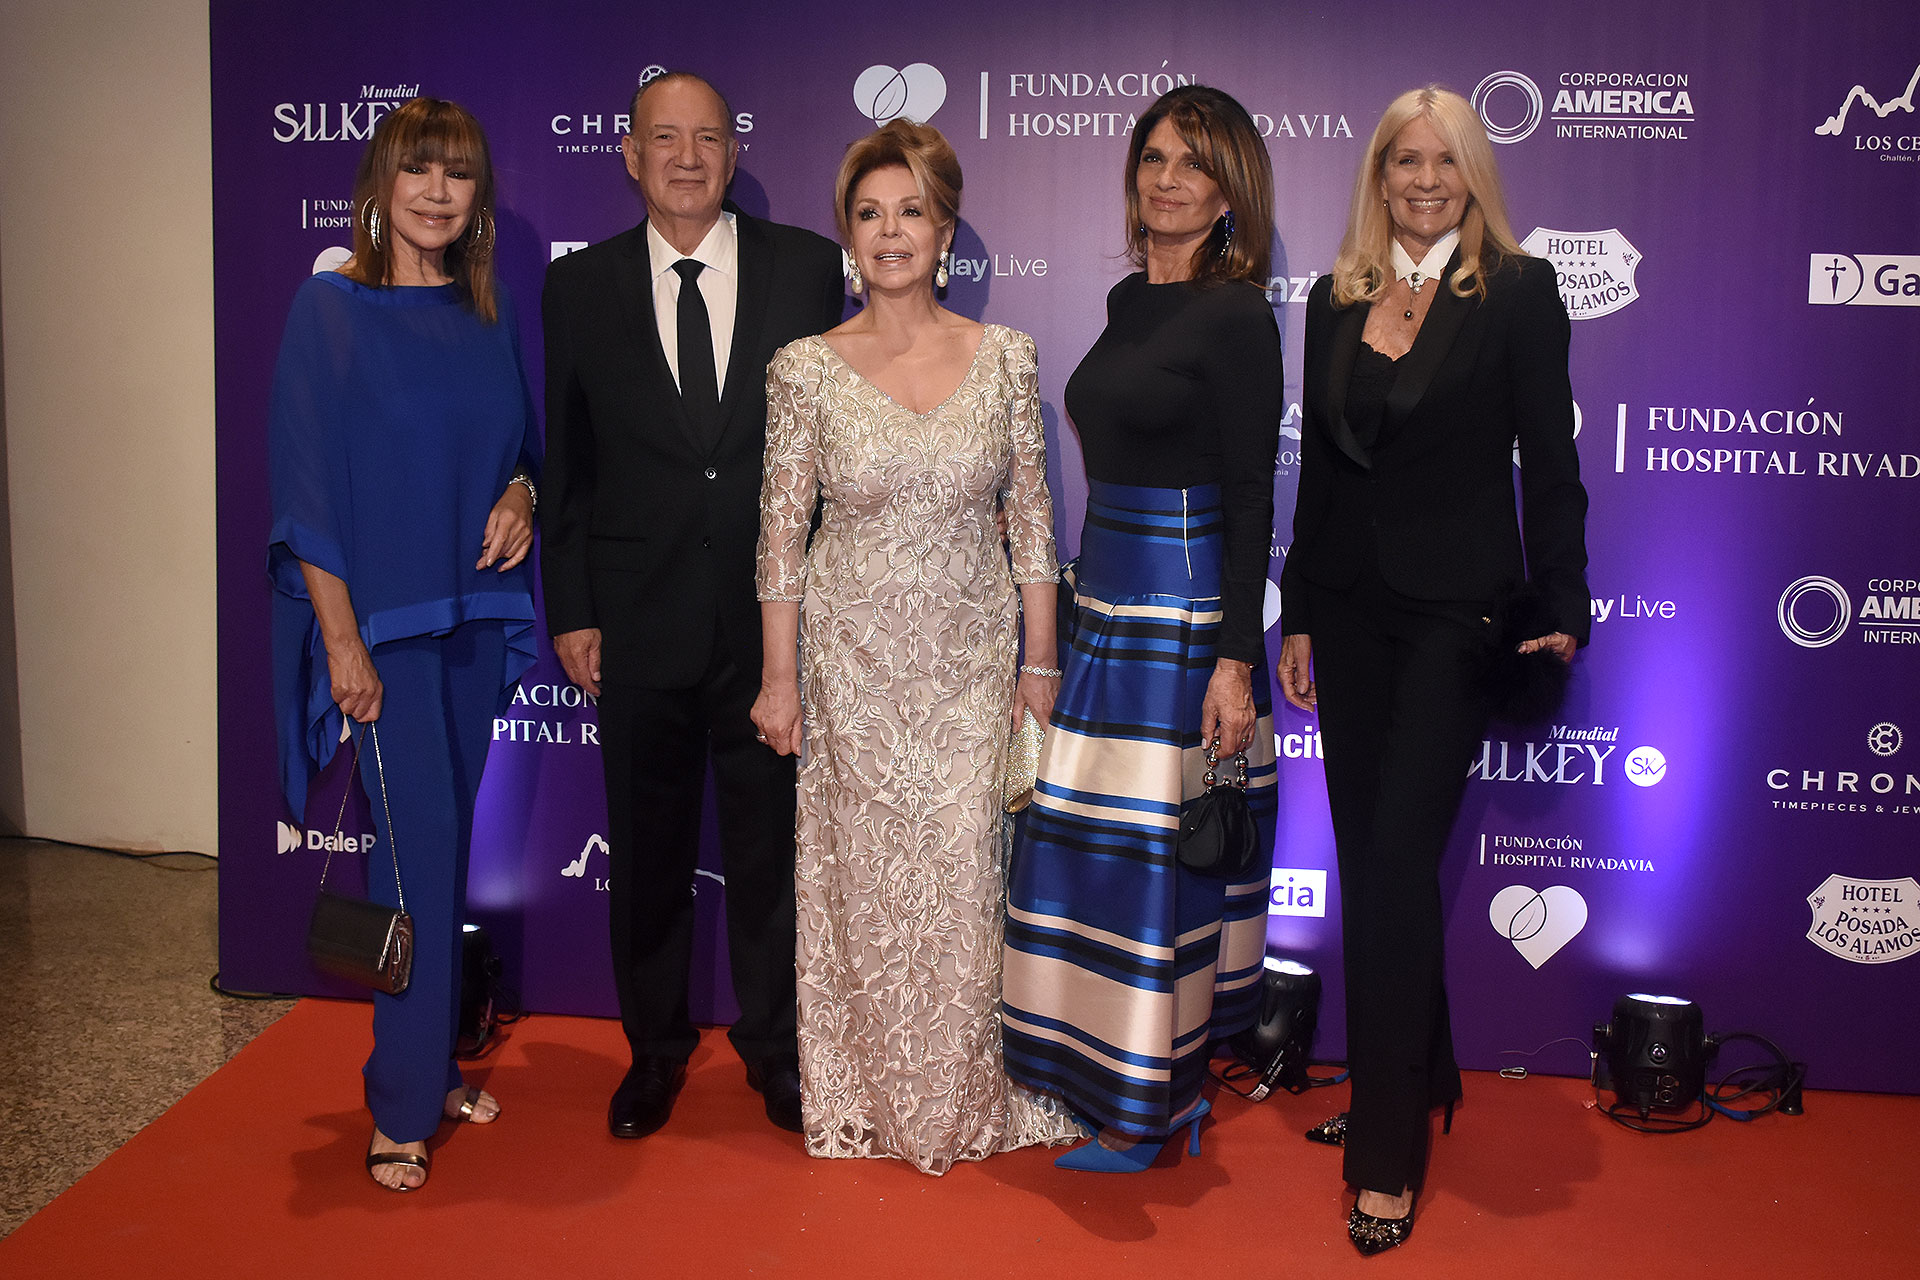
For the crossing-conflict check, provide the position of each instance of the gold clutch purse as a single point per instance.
(1023, 763)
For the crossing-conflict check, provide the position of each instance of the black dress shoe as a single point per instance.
(778, 1081)
(644, 1099)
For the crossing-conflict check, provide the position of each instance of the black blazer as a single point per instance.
(647, 532)
(1438, 486)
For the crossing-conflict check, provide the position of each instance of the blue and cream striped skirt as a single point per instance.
(1122, 966)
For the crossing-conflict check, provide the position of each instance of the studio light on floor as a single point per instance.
(1652, 1055)
(1276, 1046)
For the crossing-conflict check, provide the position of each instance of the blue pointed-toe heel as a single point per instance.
(1091, 1157)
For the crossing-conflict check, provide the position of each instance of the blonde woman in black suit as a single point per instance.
(1432, 348)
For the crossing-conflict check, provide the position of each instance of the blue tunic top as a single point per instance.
(398, 418)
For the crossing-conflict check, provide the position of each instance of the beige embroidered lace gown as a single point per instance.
(908, 624)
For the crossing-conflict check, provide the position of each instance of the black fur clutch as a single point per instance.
(1522, 688)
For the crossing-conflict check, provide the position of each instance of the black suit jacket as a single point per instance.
(648, 531)
(1438, 486)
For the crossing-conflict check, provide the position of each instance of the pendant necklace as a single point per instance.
(1415, 280)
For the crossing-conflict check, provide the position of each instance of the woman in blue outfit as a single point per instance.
(1121, 965)
(401, 444)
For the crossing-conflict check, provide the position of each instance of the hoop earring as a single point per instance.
(1226, 221)
(940, 273)
(370, 216)
(479, 237)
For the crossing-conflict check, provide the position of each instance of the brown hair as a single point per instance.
(427, 131)
(1362, 271)
(1223, 139)
(922, 150)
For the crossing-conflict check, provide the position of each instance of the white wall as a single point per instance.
(106, 324)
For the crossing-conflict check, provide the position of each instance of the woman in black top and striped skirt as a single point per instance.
(1122, 966)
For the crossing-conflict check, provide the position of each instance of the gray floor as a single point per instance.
(110, 1021)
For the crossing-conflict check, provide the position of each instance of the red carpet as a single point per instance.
(258, 1173)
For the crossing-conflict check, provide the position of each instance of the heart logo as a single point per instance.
(915, 91)
(1538, 923)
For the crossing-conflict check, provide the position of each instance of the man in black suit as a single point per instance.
(657, 343)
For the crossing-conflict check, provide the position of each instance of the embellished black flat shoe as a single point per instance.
(1332, 1131)
(1371, 1235)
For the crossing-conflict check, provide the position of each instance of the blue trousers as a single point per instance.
(436, 720)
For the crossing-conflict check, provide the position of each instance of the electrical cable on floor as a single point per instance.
(134, 854)
(231, 994)
(1780, 1080)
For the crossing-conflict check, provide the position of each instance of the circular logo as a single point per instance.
(651, 74)
(1494, 97)
(1646, 767)
(1837, 279)
(1884, 738)
(1797, 629)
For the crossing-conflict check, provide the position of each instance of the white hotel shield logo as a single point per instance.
(1595, 268)
(1866, 921)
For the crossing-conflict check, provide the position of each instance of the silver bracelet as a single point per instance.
(1052, 673)
(521, 477)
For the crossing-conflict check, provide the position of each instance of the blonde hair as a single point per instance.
(1362, 271)
(919, 148)
(1222, 137)
(427, 131)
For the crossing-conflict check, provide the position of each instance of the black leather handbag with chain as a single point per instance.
(364, 942)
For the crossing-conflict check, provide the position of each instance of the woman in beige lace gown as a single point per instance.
(908, 424)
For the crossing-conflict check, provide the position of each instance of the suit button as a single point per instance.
(711, 473)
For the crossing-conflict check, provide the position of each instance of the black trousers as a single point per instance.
(1401, 712)
(655, 745)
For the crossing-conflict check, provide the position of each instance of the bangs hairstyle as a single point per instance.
(1222, 137)
(421, 132)
(922, 150)
(1363, 270)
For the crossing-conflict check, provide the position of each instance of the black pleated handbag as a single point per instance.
(1217, 836)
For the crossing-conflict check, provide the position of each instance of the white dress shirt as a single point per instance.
(719, 253)
(1404, 267)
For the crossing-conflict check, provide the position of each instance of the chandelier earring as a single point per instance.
(370, 217)
(854, 282)
(1226, 224)
(941, 273)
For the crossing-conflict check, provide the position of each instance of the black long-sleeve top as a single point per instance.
(1184, 389)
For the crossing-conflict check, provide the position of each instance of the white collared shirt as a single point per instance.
(1429, 267)
(719, 252)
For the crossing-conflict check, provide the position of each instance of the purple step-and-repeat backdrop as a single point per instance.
(1728, 807)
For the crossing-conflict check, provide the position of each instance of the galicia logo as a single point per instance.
(1538, 923)
(1510, 106)
(1297, 891)
(1885, 738)
(1866, 921)
(915, 92)
(1863, 280)
(1814, 611)
(1595, 268)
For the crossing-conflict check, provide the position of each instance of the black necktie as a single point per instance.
(699, 392)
